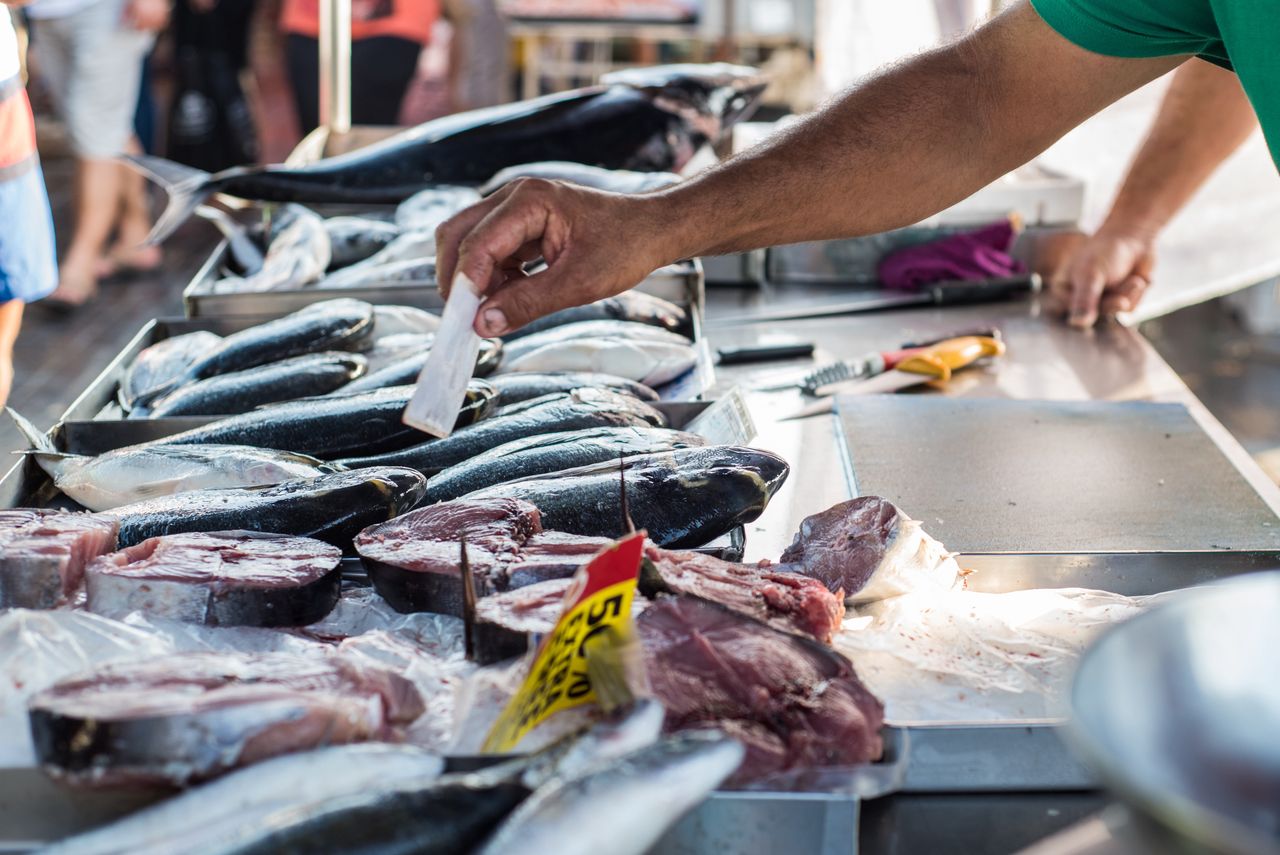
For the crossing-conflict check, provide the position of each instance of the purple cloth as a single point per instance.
(980, 254)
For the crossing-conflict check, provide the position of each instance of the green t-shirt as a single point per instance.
(1242, 35)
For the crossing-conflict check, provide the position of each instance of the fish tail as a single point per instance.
(186, 188)
(40, 444)
(243, 249)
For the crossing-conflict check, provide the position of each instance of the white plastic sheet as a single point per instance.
(963, 656)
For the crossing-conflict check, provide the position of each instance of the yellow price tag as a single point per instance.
(598, 601)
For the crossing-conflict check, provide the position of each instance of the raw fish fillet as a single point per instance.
(795, 704)
(43, 554)
(237, 578)
(190, 717)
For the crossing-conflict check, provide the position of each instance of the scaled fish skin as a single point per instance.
(140, 472)
(653, 120)
(683, 498)
(633, 306)
(333, 508)
(525, 385)
(162, 364)
(240, 391)
(241, 803)
(405, 371)
(581, 408)
(622, 807)
(354, 239)
(553, 452)
(411, 257)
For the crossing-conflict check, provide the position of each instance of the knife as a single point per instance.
(442, 384)
(931, 363)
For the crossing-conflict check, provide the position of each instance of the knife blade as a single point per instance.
(442, 383)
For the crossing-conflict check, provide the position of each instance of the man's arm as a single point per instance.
(1204, 117)
(907, 143)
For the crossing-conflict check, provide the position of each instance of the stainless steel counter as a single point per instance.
(1045, 361)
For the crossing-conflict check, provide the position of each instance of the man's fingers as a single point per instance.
(451, 233)
(1125, 296)
(521, 300)
(1086, 289)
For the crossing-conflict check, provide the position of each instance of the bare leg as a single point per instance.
(133, 226)
(97, 206)
(10, 322)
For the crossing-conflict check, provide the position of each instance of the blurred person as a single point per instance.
(387, 37)
(28, 257)
(91, 54)
(210, 124)
(902, 145)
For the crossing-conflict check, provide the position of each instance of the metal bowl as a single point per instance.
(1178, 710)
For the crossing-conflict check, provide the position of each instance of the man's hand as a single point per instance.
(1108, 273)
(147, 15)
(595, 244)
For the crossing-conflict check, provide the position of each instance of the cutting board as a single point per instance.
(996, 475)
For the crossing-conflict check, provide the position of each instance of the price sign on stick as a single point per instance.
(597, 603)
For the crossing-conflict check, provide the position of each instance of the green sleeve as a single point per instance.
(1133, 28)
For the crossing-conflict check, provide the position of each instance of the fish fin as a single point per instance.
(243, 249)
(39, 443)
(186, 188)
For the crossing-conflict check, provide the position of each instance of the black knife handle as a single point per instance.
(762, 353)
(982, 291)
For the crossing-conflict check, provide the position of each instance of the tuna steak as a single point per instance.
(333, 508)
(192, 716)
(870, 550)
(43, 554)
(794, 703)
(553, 452)
(683, 498)
(785, 601)
(241, 391)
(331, 426)
(582, 408)
(235, 578)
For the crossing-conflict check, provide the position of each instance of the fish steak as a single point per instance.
(43, 554)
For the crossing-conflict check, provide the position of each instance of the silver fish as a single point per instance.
(353, 239)
(138, 472)
(622, 807)
(297, 256)
(232, 806)
(426, 209)
(396, 320)
(648, 360)
(156, 368)
(612, 180)
(405, 271)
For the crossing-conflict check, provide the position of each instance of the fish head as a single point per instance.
(406, 487)
(712, 96)
(746, 478)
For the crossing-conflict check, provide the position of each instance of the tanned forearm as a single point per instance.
(1205, 116)
(905, 144)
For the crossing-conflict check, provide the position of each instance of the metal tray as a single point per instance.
(680, 283)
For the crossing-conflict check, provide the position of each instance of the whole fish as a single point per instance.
(426, 209)
(391, 320)
(343, 324)
(333, 508)
(553, 452)
(353, 239)
(683, 498)
(631, 306)
(162, 364)
(388, 350)
(649, 122)
(622, 807)
(514, 388)
(410, 271)
(581, 408)
(140, 472)
(418, 247)
(232, 806)
(405, 371)
(297, 255)
(241, 248)
(612, 180)
(241, 391)
(638, 352)
(328, 427)
(444, 816)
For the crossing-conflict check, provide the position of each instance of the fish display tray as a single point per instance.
(93, 422)
(680, 283)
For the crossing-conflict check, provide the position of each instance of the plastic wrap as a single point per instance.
(963, 656)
